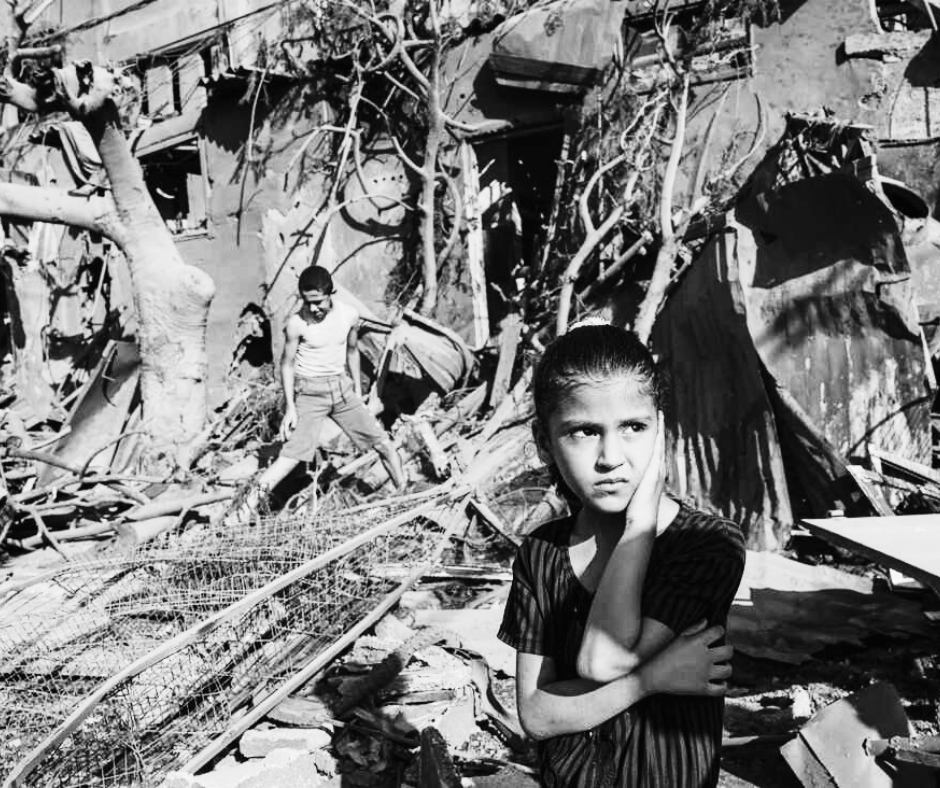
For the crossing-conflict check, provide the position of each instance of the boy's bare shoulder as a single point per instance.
(294, 326)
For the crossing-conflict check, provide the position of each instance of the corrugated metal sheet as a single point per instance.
(727, 454)
(793, 344)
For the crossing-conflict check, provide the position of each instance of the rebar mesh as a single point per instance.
(62, 638)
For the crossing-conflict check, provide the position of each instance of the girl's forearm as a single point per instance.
(615, 620)
(578, 705)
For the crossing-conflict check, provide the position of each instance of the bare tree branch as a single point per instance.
(586, 194)
(758, 141)
(43, 204)
(666, 256)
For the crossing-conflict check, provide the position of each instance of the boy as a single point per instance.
(321, 379)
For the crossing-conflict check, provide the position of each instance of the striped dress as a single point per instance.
(664, 741)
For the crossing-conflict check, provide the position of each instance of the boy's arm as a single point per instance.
(352, 358)
(614, 626)
(291, 343)
(676, 665)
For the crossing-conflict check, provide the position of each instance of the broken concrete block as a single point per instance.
(229, 775)
(393, 628)
(370, 649)
(802, 707)
(477, 632)
(257, 744)
(300, 771)
(302, 713)
(458, 723)
(419, 600)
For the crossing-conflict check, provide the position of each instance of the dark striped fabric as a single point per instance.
(665, 741)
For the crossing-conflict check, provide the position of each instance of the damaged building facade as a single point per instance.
(827, 354)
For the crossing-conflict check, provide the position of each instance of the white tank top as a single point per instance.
(322, 349)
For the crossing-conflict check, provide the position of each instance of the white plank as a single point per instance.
(909, 543)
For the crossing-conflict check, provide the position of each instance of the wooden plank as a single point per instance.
(917, 470)
(436, 767)
(474, 243)
(509, 337)
(909, 543)
(871, 491)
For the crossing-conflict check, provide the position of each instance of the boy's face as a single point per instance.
(601, 437)
(317, 302)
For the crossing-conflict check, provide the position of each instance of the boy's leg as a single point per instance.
(301, 446)
(358, 422)
(275, 473)
(392, 462)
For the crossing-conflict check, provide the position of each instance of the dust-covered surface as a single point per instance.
(767, 703)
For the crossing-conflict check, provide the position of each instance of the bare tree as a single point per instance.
(630, 183)
(389, 58)
(171, 298)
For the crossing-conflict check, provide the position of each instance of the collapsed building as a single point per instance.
(799, 331)
(229, 136)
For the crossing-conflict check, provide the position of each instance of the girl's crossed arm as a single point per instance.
(687, 666)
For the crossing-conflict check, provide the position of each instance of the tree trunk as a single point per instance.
(171, 299)
(431, 151)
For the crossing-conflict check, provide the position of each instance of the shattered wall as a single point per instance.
(261, 230)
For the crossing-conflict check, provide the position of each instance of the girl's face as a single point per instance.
(601, 437)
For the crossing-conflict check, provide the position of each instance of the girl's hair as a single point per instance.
(315, 277)
(592, 352)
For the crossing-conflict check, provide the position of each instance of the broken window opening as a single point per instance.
(176, 181)
(171, 82)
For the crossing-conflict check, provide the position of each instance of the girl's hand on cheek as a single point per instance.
(643, 509)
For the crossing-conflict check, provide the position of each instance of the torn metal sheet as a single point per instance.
(831, 308)
(100, 413)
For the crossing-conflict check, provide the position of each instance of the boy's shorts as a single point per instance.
(329, 397)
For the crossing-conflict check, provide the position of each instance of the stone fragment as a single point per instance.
(257, 743)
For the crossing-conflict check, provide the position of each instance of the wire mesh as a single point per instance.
(62, 638)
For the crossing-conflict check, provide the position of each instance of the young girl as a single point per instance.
(617, 611)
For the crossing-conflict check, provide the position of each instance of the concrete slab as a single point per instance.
(909, 543)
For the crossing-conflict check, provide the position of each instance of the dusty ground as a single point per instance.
(766, 698)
